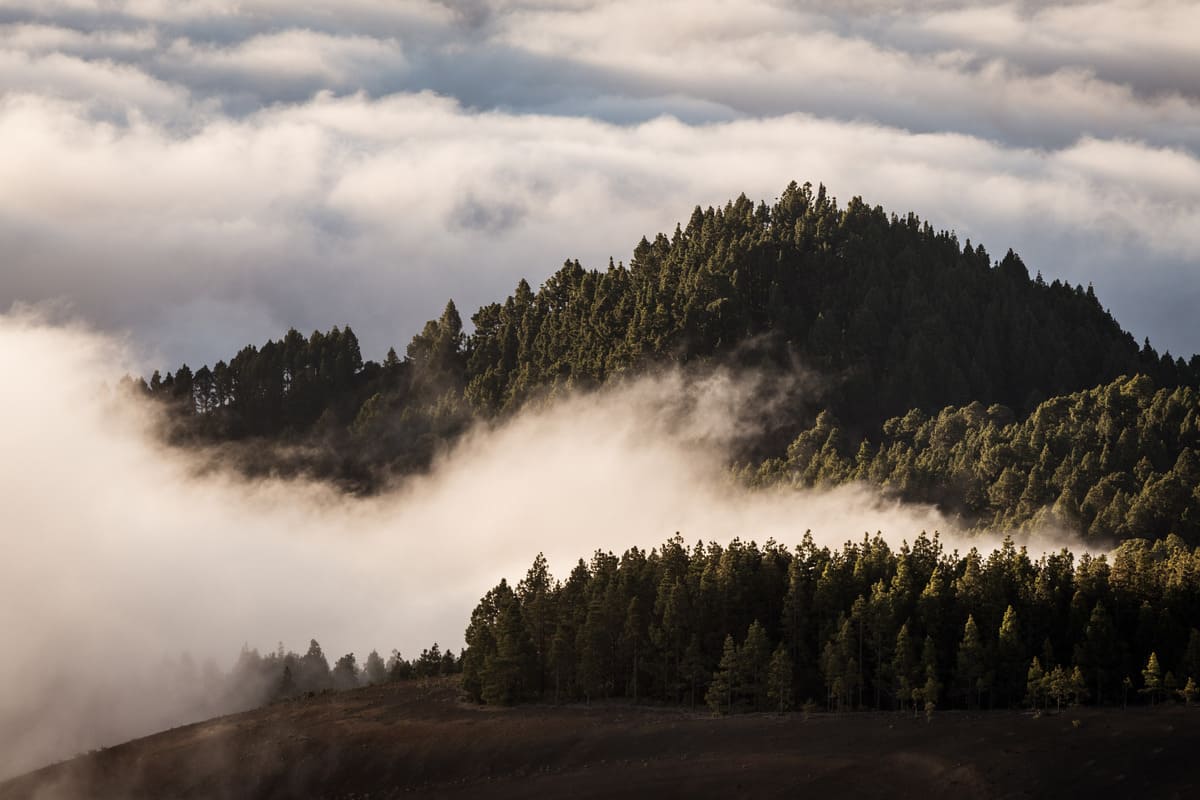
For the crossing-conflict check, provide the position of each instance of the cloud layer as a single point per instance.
(207, 174)
(122, 555)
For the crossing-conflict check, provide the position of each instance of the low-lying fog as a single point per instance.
(118, 559)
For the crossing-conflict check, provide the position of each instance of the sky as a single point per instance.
(192, 177)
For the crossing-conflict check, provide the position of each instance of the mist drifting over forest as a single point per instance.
(126, 554)
(179, 180)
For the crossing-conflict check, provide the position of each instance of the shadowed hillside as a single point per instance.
(421, 742)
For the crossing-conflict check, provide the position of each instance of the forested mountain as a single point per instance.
(901, 315)
(900, 321)
(745, 627)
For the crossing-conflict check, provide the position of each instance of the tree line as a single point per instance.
(746, 627)
(1118, 461)
(257, 679)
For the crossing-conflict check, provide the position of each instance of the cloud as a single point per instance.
(38, 38)
(109, 89)
(289, 65)
(768, 59)
(1148, 46)
(122, 555)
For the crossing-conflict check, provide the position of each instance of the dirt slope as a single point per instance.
(419, 741)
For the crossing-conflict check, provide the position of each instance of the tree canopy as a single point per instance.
(746, 627)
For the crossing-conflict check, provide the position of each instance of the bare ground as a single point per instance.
(421, 741)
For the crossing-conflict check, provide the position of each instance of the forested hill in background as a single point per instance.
(895, 316)
(1116, 462)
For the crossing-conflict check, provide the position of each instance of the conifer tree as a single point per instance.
(1077, 686)
(905, 667)
(509, 670)
(1056, 685)
(1010, 658)
(932, 689)
(345, 673)
(779, 679)
(1100, 649)
(755, 660)
(376, 669)
(1152, 684)
(1035, 683)
(970, 662)
(1189, 692)
(287, 683)
(724, 681)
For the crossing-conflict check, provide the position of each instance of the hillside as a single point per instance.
(413, 741)
(1118, 461)
(874, 314)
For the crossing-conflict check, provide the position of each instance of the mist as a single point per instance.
(134, 574)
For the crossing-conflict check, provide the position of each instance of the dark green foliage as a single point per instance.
(908, 316)
(499, 666)
(971, 663)
(780, 680)
(735, 626)
(725, 680)
(1010, 660)
(329, 413)
(1118, 461)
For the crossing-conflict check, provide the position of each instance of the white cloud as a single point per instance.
(304, 59)
(767, 59)
(107, 87)
(36, 38)
(1131, 39)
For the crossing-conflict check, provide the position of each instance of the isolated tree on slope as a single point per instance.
(314, 674)
(345, 673)
(1152, 678)
(376, 669)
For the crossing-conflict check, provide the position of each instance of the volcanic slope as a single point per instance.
(419, 740)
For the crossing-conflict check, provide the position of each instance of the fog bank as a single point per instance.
(121, 555)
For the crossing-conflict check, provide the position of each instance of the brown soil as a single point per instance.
(420, 741)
